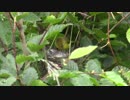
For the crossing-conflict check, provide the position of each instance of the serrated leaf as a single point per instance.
(24, 58)
(5, 32)
(38, 83)
(71, 65)
(93, 65)
(82, 80)
(108, 62)
(33, 43)
(106, 82)
(55, 30)
(67, 74)
(80, 52)
(29, 75)
(128, 35)
(7, 82)
(9, 65)
(115, 77)
(85, 41)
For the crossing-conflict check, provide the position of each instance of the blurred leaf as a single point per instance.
(76, 21)
(7, 82)
(33, 43)
(82, 80)
(106, 82)
(128, 35)
(24, 58)
(9, 65)
(71, 65)
(114, 77)
(53, 20)
(95, 13)
(5, 32)
(37, 83)
(31, 17)
(22, 15)
(4, 73)
(93, 65)
(80, 52)
(67, 74)
(29, 75)
(115, 43)
(85, 41)
(54, 30)
(108, 61)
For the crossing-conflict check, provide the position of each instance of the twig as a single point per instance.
(13, 26)
(19, 25)
(108, 38)
(4, 45)
(119, 22)
(43, 35)
(83, 14)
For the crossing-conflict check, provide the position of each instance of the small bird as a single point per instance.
(62, 43)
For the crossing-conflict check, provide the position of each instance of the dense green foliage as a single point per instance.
(64, 48)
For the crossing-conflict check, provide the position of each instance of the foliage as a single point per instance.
(64, 49)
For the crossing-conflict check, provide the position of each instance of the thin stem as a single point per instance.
(119, 22)
(70, 39)
(108, 36)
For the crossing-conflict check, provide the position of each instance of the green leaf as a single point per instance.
(4, 73)
(22, 15)
(38, 83)
(128, 35)
(67, 74)
(108, 62)
(9, 65)
(80, 52)
(95, 13)
(33, 43)
(93, 65)
(55, 30)
(118, 43)
(71, 65)
(76, 21)
(50, 19)
(23, 58)
(114, 77)
(106, 82)
(5, 32)
(7, 82)
(85, 41)
(82, 80)
(29, 75)
(113, 35)
(31, 17)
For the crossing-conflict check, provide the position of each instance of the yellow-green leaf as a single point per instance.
(128, 35)
(80, 52)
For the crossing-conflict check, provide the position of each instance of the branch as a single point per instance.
(19, 25)
(108, 38)
(119, 22)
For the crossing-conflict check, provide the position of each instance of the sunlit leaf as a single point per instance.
(128, 35)
(80, 52)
